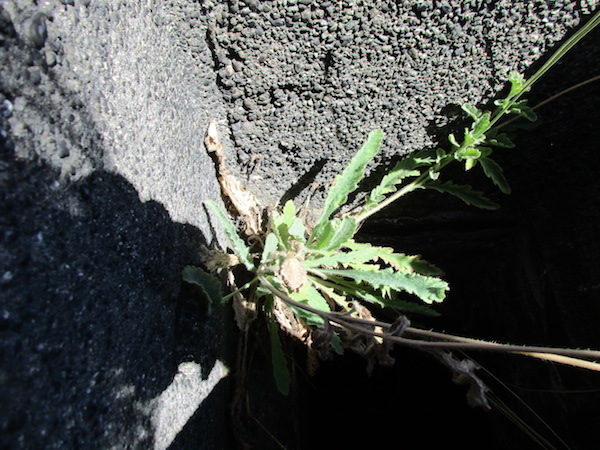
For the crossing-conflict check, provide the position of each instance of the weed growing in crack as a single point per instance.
(316, 282)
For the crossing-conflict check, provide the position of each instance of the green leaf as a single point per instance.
(472, 139)
(481, 125)
(334, 259)
(287, 226)
(524, 111)
(336, 344)
(403, 169)
(409, 307)
(209, 284)
(495, 173)
(271, 243)
(498, 139)
(517, 82)
(428, 289)
(289, 213)
(297, 230)
(467, 153)
(453, 140)
(408, 263)
(347, 182)
(471, 110)
(344, 231)
(368, 294)
(310, 296)
(239, 246)
(470, 163)
(464, 192)
(280, 368)
(325, 234)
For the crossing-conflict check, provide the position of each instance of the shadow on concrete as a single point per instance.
(93, 321)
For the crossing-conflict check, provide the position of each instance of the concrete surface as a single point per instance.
(103, 174)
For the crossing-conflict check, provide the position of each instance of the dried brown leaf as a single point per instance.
(244, 203)
(293, 273)
(244, 310)
(288, 321)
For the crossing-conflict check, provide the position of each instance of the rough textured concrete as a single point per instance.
(103, 174)
(103, 179)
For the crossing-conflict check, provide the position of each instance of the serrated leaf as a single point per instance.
(345, 183)
(239, 246)
(464, 192)
(409, 307)
(336, 344)
(409, 263)
(369, 295)
(209, 284)
(471, 139)
(495, 173)
(334, 259)
(502, 103)
(331, 290)
(403, 169)
(433, 173)
(280, 368)
(428, 289)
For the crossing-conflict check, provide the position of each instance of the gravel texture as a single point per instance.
(306, 81)
(103, 109)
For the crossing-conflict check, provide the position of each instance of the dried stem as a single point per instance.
(573, 357)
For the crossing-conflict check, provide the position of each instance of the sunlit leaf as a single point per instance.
(428, 289)
(347, 182)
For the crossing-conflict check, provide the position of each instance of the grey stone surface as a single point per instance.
(103, 173)
(306, 81)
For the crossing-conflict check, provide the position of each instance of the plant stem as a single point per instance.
(497, 115)
(554, 97)
(415, 184)
(561, 355)
(562, 51)
(237, 291)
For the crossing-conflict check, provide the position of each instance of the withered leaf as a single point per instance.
(245, 204)
(293, 273)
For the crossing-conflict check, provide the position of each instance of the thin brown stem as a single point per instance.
(445, 341)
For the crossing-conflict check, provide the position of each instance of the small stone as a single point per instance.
(51, 59)
(35, 76)
(62, 149)
(36, 30)
(249, 104)
(238, 66)
(6, 110)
